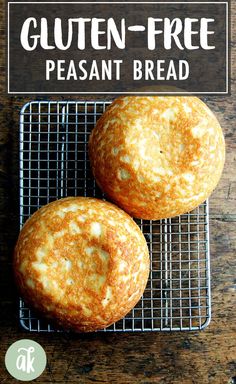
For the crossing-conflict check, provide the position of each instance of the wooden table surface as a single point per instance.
(201, 357)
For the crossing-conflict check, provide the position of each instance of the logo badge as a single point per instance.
(25, 360)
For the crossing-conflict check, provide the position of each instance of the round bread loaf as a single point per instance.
(82, 262)
(157, 157)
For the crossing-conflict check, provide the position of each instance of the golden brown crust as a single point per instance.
(157, 157)
(82, 262)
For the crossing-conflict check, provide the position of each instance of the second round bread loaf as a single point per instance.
(82, 262)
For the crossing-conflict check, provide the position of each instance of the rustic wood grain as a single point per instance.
(203, 357)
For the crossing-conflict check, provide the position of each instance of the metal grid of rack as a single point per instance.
(54, 164)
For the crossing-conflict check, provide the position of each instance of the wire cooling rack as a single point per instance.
(54, 163)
